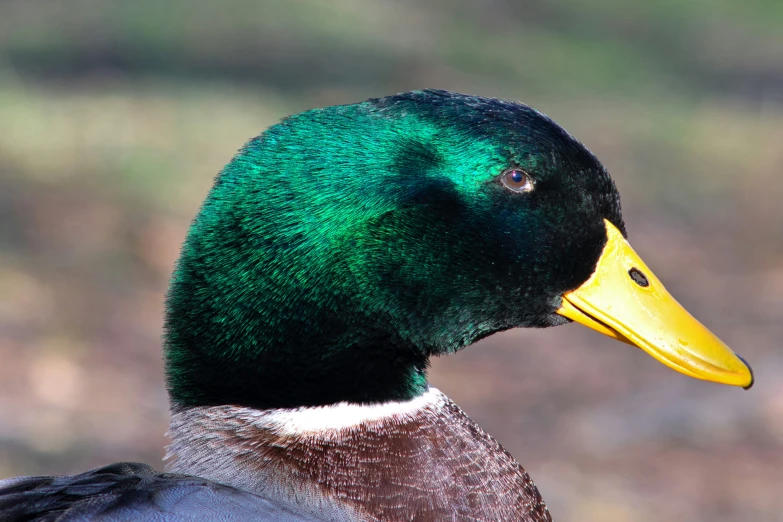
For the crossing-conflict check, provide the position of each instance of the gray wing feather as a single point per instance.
(130, 492)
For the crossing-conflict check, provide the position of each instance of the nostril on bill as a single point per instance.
(638, 277)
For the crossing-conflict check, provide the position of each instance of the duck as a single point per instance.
(334, 255)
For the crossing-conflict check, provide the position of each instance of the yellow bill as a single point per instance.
(623, 299)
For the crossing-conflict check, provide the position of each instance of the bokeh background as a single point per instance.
(116, 115)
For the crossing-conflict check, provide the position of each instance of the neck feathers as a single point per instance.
(421, 459)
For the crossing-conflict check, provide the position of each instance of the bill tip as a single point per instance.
(752, 378)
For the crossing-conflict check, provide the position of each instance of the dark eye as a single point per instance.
(517, 180)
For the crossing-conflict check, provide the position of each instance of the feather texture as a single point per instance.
(128, 492)
(428, 463)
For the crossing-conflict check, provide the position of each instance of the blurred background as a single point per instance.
(116, 115)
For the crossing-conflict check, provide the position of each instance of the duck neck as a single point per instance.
(424, 449)
(314, 368)
(251, 336)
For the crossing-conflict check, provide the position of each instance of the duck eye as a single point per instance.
(517, 180)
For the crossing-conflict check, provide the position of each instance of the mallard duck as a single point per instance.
(335, 254)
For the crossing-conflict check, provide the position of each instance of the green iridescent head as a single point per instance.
(344, 246)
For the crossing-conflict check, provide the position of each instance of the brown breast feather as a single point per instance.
(434, 465)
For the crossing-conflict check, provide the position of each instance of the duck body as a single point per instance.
(335, 254)
(422, 459)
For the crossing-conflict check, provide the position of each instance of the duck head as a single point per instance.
(344, 246)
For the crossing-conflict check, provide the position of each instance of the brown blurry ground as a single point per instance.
(116, 116)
